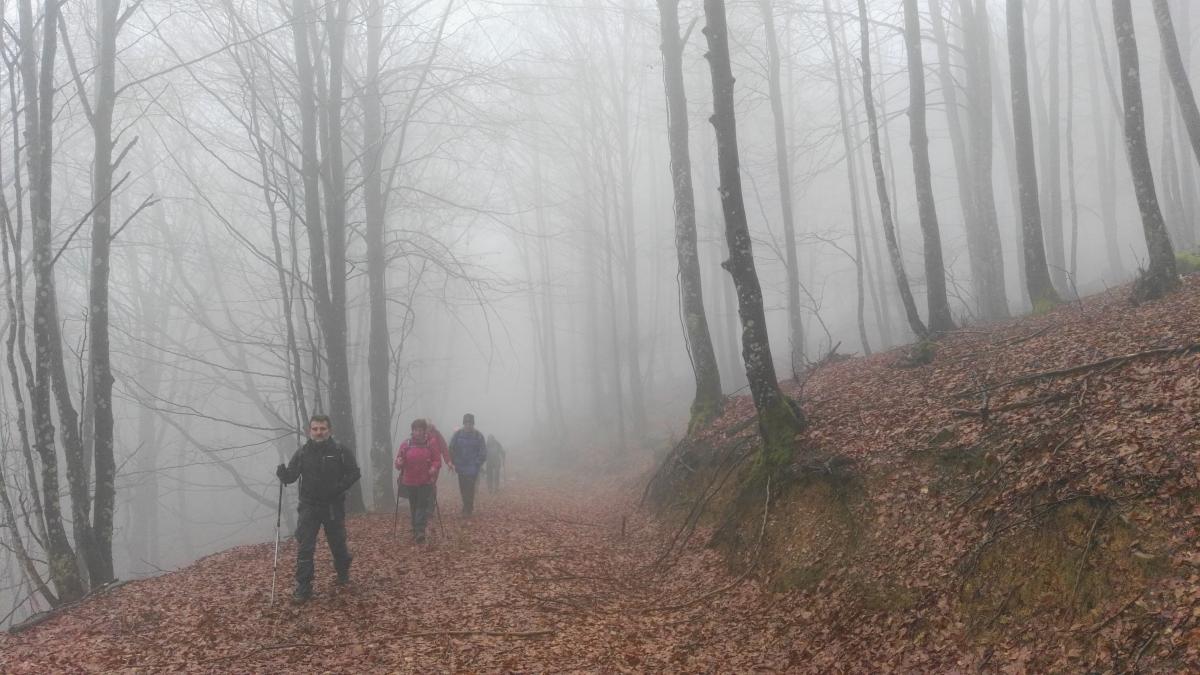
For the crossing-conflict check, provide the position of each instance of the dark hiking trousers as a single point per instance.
(466, 486)
(420, 505)
(312, 517)
(493, 478)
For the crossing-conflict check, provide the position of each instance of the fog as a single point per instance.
(509, 163)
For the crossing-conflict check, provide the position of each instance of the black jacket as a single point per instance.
(326, 470)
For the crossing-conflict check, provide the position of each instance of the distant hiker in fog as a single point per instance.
(494, 463)
(326, 470)
(419, 460)
(468, 450)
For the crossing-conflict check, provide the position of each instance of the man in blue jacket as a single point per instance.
(468, 450)
(326, 470)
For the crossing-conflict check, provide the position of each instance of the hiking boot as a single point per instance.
(420, 539)
(301, 596)
(343, 578)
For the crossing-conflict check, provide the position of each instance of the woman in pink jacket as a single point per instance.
(419, 459)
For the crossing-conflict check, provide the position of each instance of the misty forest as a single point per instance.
(807, 335)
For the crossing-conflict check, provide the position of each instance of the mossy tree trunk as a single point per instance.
(778, 420)
(706, 403)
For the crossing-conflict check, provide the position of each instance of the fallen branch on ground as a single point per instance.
(1111, 361)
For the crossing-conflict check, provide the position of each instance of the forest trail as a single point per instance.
(540, 579)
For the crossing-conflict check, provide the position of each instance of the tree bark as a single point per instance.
(1178, 72)
(784, 171)
(1037, 275)
(1160, 276)
(940, 320)
(707, 401)
(378, 343)
(885, 205)
(851, 179)
(778, 420)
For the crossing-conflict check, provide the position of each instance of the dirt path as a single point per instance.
(541, 579)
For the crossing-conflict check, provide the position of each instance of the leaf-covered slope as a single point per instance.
(1057, 533)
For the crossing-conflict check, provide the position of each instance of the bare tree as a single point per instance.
(881, 188)
(778, 419)
(783, 170)
(1160, 276)
(1037, 275)
(940, 320)
(1178, 73)
(706, 403)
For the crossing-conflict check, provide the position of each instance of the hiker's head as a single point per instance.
(419, 428)
(491, 438)
(319, 427)
(469, 421)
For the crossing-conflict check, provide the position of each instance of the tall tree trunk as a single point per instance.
(39, 87)
(1106, 173)
(851, 178)
(1161, 276)
(341, 408)
(379, 349)
(935, 271)
(1072, 197)
(1179, 79)
(707, 401)
(100, 566)
(885, 205)
(778, 420)
(1037, 276)
(1050, 197)
(983, 283)
(977, 49)
(632, 292)
(784, 171)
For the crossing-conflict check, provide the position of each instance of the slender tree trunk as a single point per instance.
(1072, 197)
(777, 418)
(885, 206)
(1178, 73)
(1161, 276)
(39, 90)
(1106, 174)
(977, 49)
(851, 179)
(1050, 197)
(379, 349)
(940, 320)
(100, 568)
(1037, 276)
(707, 401)
(783, 170)
(1003, 113)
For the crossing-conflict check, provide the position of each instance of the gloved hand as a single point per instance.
(281, 472)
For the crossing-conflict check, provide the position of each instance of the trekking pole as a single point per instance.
(396, 513)
(278, 522)
(438, 510)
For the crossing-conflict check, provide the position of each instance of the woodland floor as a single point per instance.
(540, 579)
(1028, 500)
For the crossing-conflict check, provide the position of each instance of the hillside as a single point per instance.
(1027, 500)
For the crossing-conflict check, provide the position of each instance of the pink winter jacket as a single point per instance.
(419, 463)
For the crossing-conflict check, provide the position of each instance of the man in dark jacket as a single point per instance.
(468, 450)
(326, 470)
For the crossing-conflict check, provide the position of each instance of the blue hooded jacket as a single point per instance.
(468, 450)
